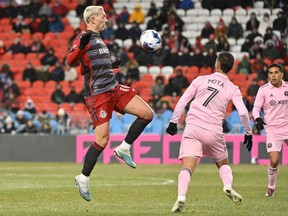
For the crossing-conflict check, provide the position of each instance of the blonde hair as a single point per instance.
(89, 11)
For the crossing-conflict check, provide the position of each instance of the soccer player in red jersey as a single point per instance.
(103, 94)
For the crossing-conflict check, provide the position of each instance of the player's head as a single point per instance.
(275, 74)
(224, 62)
(95, 18)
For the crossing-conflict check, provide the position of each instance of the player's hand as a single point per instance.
(116, 63)
(248, 142)
(85, 40)
(172, 128)
(259, 123)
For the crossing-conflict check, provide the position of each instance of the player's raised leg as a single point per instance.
(144, 113)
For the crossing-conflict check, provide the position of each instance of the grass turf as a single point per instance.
(48, 189)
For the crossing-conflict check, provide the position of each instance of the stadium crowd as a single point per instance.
(39, 93)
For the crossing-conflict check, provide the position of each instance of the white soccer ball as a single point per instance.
(150, 40)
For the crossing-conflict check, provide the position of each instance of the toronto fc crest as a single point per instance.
(102, 114)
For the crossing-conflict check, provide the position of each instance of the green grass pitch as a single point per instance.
(48, 189)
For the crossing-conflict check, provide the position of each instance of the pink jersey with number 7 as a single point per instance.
(211, 95)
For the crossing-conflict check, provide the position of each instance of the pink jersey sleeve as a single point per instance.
(258, 103)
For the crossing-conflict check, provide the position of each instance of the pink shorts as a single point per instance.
(197, 141)
(101, 106)
(274, 142)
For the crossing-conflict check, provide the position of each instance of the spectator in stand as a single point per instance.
(158, 87)
(56, 25)
(64, 122)
(137, 16)
(34, 7)
(180, 80)
(59, 9)
(207, 30)
(280, 23)
(9, 126)
(197, 59)
(220, 29)
(73, 96)
(154, 23)
(43, 117)
(186, 4)
(80, 8)
(10, 10)
(198, 44)
(253, 88)
(6, 74)
(21, 120)
(29, 128)
(209, 59)
(223, 44)
(14, 88)
(11, 103)
(152, 11)
(112, 16)
(253, 35)
(58, 95)
(270, 51)
(263, 74)
(245, 47)
(46, 9)
(172, 58)
(45, 128)
(30, 107)
(70, 74)
(185, 58)
(49, 58)
(268, 34)
(158, 57)
(134, 50)
(43, 26)
(135, 31)
(174, 21)
(37, 46)
(184, 44)
(283, 52)
(108, 31)
(244, 66)
(57, 74)
(171, 89)
(43, 73)
(264, 24)
(235, 29)
(29, 73)
(211, 43)
(16, 47)
(277, 42)
(33, 25)
(256, 48)
(19, 25)
(123, 16)
(258, 64)
(132, 69)
(121, 32)
(253, 22)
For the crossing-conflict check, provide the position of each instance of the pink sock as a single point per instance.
(183, 182)
(226, 176)
(272, 176)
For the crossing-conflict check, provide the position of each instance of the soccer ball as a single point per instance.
(150, 40)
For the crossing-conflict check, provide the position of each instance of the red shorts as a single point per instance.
(101, 106)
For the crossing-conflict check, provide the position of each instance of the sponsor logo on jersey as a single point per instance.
(103, 51)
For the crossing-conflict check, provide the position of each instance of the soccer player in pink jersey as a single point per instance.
(273, 99)
(203, 133)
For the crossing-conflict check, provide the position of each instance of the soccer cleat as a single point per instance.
(270, 192)
(233, 195)
(178, 206)
(125, 156)
(83, 188)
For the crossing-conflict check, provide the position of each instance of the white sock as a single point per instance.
(125, 146)
(84, 178)
(182, 198)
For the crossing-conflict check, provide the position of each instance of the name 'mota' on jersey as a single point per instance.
(211, 95)
(274, 102)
